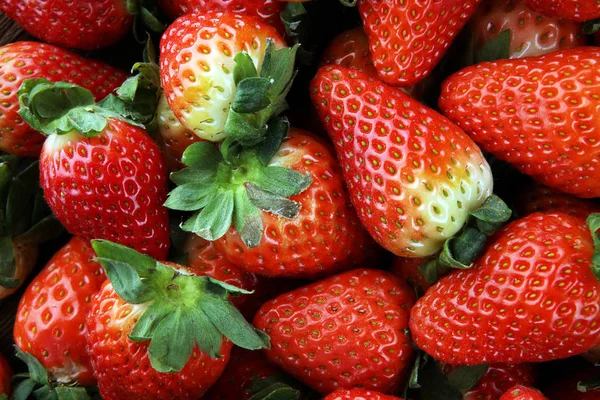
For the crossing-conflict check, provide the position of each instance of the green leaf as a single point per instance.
(434, 384)
(460, 252)
(277, 130)
(239, 129)
(591, 27)
(593, 223)
(37, 372)
(214, 220)
(251, 95)
(283, 181)
(47, 229)
(466, 377)
(492, 214)
(208, 337)
(244, 67)
(278, 67)
(23, 390)
(589, 384)
(495, 49)
(172, 343)
(247, 219)
(271, 202)
(230, 289)
(202, 155)
(151, 21)
(191, 196)
(192, 175)
(429, 271)
(7, 264)
(277, 391)
(146, 326)
(71, 393)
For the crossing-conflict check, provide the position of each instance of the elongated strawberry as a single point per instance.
(532, 296)
(26, 60)
(498, 378)
(345, 331)
(536, 113)
(6, 374)
(50, 322)
(539, 198)
(523, 393)
(158, 332)
(266, 10)
(517, 31)
(409, 37)
(576, 10)
(198, 55)
(83, 24)
(102, 176)
(358, 394)
(413, 176)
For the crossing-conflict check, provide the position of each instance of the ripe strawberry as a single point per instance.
(197, 64)
(103, 177)
(523, 393)
(26, 60)
(531, 34)
(50, 322)
(350, 49)
(408, 37)
(174, 138)
(498, 378)
(6, 374)
(576, 10)
(531, 297)
(413, 176)
(536, 113)
(539, 198)
(265, 10)
(157, 332)
(84, 24)
(358, 394)
(345, 331)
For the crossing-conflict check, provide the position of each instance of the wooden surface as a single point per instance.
(10, 31)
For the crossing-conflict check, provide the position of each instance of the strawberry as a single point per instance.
(350, 49)
(576, 10)
(520, 392)
(408, 269)
(535, 113)
(85, 24)
(346, 331)
(103, 177)
(198, 55)
(539, 198)
(532, 296)
(25, 60)
(50, 322)
(174, 138)
(158, 332)
(409, 37)
(412, 175)
(265, 10)
(498, 378)
(527, 33)
(358, 394)
(6, 374)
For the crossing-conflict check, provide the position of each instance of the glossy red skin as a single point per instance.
(78, 24)
(342, 332)
(523, 393)
(326, 235)
(6, 374)
(408, 269)
(122, 367)
(173, 146)
(566, 386)
(358, 394)
(498, 379)
(530, 297)
(244, 367)
(50, 322)
(539, 198)
(536, 113)
(265, 10)
(25, 60)
(350, 49)
(430, 27)
(576, 10)
(531, 33)
(121, 192)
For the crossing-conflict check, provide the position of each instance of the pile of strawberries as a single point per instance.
(399, 195)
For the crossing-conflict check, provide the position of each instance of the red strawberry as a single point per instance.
(6, 374)
(532, 296)
(83, 24)
(25, 60)
(523, 393)
(408, 269)
(539, 198)
(531, 34)
(409, 37)
(50, 322)
(498, 378)
(536, 113)
(345, 331)
(576, 10)
(197, 64)
(265, 10)
(167, 340)
(413, 176)
(358, 394)
(350, 49)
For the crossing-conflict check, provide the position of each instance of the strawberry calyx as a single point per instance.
(495, 49)
(593, 222)
(36, 383)
(222, 188)
(144, 12)
(591, 27)
(181, 310)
